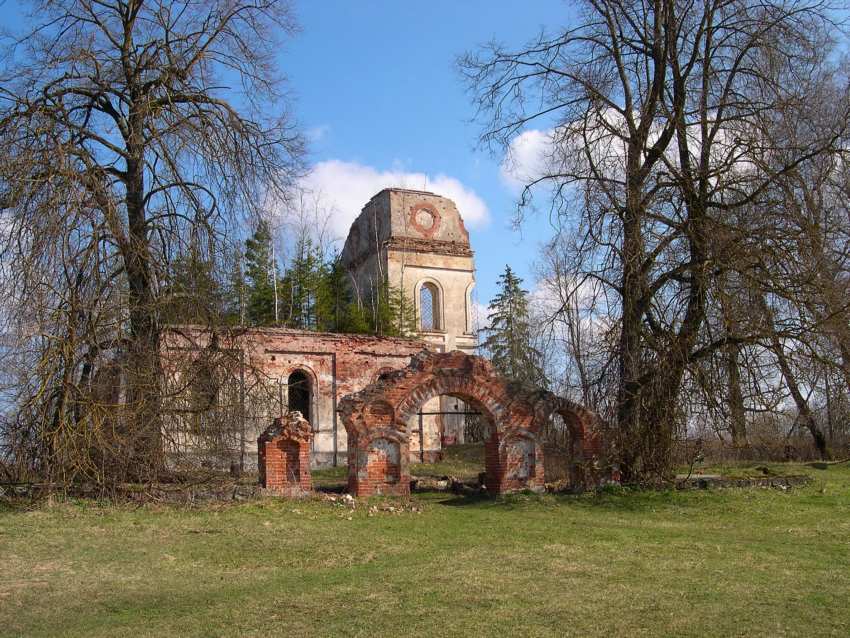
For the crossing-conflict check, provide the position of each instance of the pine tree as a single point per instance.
(259, 271)
(509, 336)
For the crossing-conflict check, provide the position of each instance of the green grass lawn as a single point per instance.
(739, 562)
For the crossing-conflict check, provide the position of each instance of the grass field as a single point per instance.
(742, 562)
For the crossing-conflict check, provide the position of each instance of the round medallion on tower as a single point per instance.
(425, 218)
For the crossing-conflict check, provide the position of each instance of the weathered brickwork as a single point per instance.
(378, 417)
(263, 360)
(284, 456)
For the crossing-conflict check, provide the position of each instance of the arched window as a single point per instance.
(298, 393)
(203, 386)
(429, 307)
(470, 328)
(203, 396)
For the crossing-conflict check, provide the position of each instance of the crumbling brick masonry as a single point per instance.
(376, 420)
(284, 456)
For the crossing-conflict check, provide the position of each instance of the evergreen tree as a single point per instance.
(335, 306)
(356, 319)
(236, 293)
(314, 294)
(192, 294)
(393, 312)
(259, 271)
(509, 337)
(302, 283)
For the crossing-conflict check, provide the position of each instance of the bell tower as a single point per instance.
(418, 242)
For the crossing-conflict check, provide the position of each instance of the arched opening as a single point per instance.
(429, 307)
(583, 445)
(203, 396)
(479, 462)
(436, 450)
(512, 453)
(299, 394)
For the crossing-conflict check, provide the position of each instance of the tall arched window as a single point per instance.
(203, 395)
(429, 307)
(298, 393)
(470, 328)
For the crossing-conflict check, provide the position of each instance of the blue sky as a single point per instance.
(378, 94)
(377, 87)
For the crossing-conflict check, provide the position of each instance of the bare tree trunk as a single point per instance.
(737, 413)
(125, 149)
(631, 330)
(800, 401)
(651, 126)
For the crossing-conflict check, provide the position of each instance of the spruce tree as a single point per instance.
(335, 306)
(509, 335)
(259, 271)
(301, 283)
(394, 313)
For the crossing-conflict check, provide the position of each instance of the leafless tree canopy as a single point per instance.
(676, 131)
(131, 131)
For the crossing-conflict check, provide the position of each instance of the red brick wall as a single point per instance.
(285, 466)
(513, 463)
(369, 405)
(378, 466)
(336, 364)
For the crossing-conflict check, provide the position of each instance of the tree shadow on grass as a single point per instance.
(468, 500)
(621, 500)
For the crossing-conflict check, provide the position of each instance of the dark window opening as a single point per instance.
(203, 395)
(298, 394)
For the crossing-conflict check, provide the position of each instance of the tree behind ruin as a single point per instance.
(509, 337)
(128, 131)
(654, 115)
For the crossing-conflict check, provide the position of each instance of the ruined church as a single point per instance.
(414, 240)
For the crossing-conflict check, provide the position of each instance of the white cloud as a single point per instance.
(535, 153)
(480, 319)
(526, 159)
(345, 187)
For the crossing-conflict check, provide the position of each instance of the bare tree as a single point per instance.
(127, 130)
(653, 112)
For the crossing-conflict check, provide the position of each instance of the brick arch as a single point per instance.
(462, 387)
(512, 425)
(585, 442)
(514, 452)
